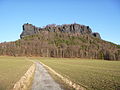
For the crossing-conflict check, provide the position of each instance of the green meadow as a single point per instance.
(92, 74)
(11, 69)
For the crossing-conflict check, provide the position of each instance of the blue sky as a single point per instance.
(102, 16)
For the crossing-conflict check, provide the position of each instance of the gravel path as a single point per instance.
(42, 80)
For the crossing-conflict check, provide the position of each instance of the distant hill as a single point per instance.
(65, 41)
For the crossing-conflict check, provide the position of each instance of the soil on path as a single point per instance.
(43, 81)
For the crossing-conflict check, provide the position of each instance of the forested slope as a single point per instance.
(51, 44)
(61, 44)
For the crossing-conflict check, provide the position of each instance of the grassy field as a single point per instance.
(11, 69)
(93, 74)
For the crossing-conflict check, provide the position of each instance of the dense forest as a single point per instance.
(63, 45)
(51, 44)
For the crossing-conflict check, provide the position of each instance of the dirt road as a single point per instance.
(43, 81)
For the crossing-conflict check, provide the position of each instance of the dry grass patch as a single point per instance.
(11, 69)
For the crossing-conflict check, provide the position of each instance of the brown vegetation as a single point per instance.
(65, 45)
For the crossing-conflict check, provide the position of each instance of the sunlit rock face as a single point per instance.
(29, 29)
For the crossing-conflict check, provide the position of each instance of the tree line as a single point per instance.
(62, 45)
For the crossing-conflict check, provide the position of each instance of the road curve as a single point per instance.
(43, 81)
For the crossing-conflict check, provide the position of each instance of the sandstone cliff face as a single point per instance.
(29, 29)
(61, 41)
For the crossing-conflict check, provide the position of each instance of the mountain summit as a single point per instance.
(29, 29)
(61, 41)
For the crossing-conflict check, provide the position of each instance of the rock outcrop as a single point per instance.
(29, 29)
(61, 41)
